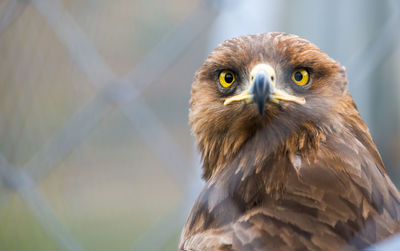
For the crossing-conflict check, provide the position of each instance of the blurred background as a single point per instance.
(95, 148)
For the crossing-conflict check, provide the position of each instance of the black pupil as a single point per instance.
(298, 76)
(228, 78)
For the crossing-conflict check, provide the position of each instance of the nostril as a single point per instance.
(268, 90)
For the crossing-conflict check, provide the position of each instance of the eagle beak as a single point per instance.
(262, 89)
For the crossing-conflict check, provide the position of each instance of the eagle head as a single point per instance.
(276, 85)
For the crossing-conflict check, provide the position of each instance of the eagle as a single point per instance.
(288, 162)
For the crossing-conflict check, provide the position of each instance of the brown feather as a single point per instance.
(299, 177)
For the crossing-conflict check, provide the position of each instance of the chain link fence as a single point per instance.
(110, 92)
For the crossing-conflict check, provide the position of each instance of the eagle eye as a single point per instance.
(301, 77)
(226, 78)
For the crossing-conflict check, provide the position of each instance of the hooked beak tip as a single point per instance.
(261, 108)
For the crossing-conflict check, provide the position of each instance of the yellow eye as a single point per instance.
(226, 78)
(301, 77)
